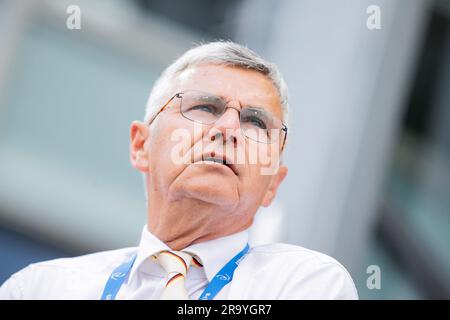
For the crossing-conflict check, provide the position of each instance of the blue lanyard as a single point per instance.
(220, 280)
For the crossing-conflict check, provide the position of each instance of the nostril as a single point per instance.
(213, 138)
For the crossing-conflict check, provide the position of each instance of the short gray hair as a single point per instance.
(221, 53)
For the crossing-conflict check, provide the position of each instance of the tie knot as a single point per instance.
(176, 264)
(174, 261)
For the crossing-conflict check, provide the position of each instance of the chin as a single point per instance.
(218, 191)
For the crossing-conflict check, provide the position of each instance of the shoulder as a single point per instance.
(62, 274)
(296, 254)
(306, 273)
(94, 262)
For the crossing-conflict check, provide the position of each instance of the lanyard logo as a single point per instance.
(118, 275)
(223, 277)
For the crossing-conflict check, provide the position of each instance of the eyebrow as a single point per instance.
(218, 97)
(212, 98)
(256, 107)
(261, 109)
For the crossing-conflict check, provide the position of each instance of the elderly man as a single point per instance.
(209, 150)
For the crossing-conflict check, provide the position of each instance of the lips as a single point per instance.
(220, 159)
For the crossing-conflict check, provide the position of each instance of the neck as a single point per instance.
(183, 241)
(187, 221)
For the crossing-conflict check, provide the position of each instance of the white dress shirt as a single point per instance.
(275, 271)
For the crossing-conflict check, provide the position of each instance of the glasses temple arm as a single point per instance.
(162, 108)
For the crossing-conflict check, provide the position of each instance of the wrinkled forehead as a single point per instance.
(249, 87)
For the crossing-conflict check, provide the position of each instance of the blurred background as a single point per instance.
(369, 144)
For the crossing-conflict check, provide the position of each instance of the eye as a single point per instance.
(255, 121)
(206, 108)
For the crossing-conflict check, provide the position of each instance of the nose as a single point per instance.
(227, 126)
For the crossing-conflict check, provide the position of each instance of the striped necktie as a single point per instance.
(176, 264)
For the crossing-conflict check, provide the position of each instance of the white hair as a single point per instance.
(221, 53)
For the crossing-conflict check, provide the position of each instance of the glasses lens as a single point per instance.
(256, 123)
(260, 125)
(201, 107)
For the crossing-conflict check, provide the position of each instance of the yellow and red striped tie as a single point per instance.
(176, 264)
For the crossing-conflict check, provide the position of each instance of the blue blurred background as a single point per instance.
(369, 145)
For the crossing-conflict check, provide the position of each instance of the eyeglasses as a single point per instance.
(255, 122)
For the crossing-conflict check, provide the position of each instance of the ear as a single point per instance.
(139, 134)
(273, 186)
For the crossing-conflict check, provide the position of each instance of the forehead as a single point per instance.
(249, 87)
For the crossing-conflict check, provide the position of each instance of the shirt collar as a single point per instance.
(213, 254)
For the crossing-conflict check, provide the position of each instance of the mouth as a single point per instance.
(219, 159)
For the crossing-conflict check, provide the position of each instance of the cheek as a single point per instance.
(259, 155)
(253, 190)
(259, 164)
(161, 151)
(255, 183)
(170, 150)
